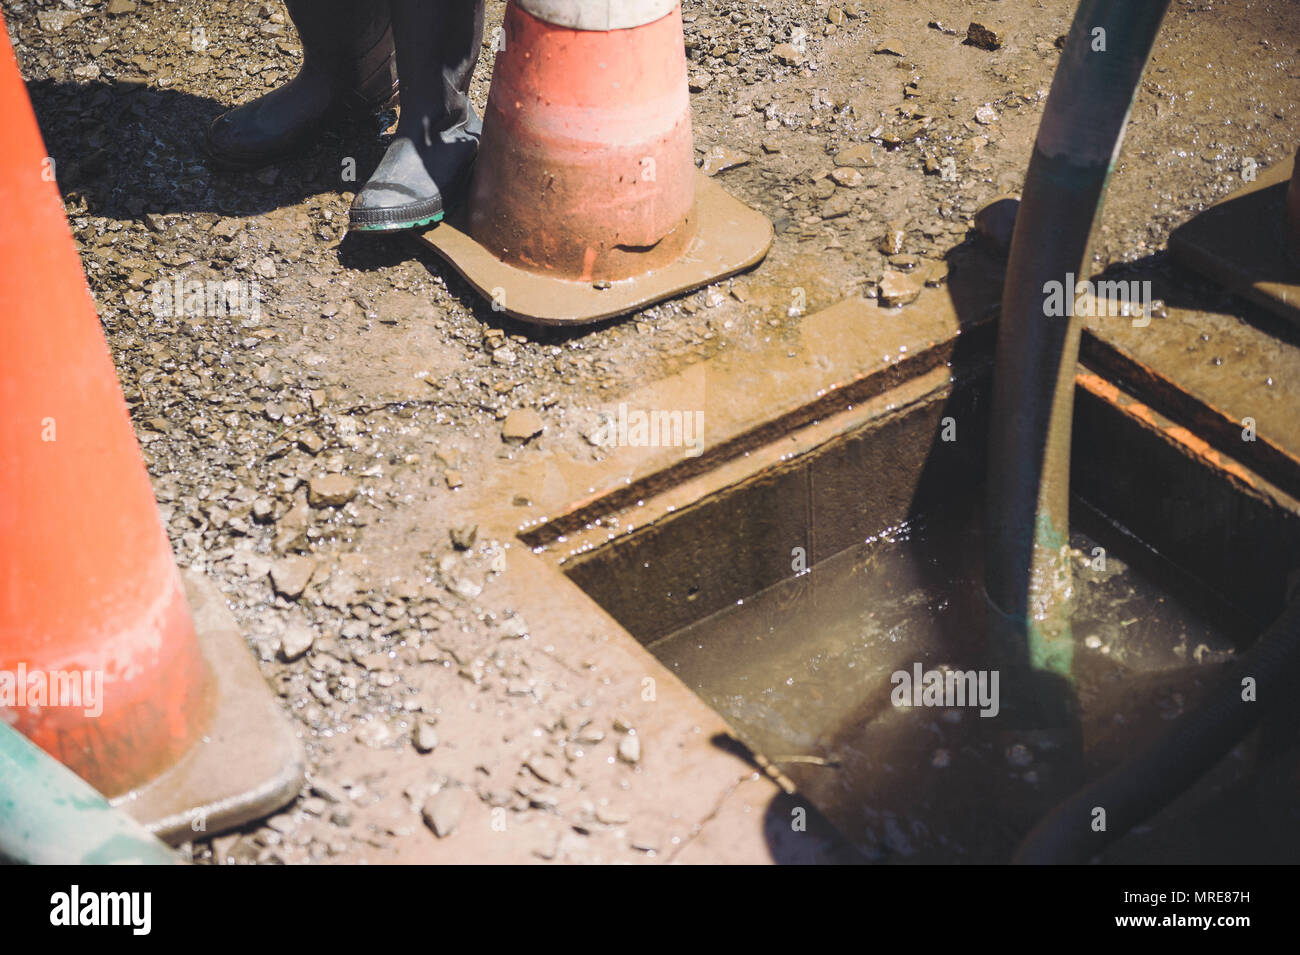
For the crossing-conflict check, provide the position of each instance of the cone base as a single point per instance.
(730, 238)
(1240, 242)
(246, 765)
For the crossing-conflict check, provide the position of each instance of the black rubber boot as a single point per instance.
(348, 62)
(427, 165)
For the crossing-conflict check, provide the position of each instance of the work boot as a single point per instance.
(427, 165)
(348, 62)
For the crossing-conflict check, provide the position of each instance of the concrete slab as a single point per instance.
(1240, 242)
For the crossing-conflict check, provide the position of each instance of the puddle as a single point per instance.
(804, 671)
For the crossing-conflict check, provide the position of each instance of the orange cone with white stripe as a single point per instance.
(585, 200)
(100, 664)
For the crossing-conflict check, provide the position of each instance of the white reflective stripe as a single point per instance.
(598, 14)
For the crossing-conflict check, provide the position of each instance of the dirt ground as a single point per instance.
(314, 458)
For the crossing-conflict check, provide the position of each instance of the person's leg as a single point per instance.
(427, 165)
(348, 60)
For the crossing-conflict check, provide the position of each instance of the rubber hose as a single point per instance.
(1027, 575)
(1151, 778)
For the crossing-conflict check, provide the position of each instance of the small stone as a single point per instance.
(609, 816)
(788, 54)
(587, 735)
(721, 158)
(890, 46)
(331, 490)
(546, 769)
(311, 442)
(771, 146)
(119, 7)
(443, 811)
(425, 738)
(892, 242)
(329, 791)
(996, 221)
(154, 222)
(898, 289)
(978, 35)
(341, 816)
(521, 425)
(453, 478)
(986, 115)
(465, 587)
(53, 21)
(935, 272)
(513, 627)
(840, 204)
(699, 82)
(462, 538)
(847, 176)
(629, 749)
(340, 590)
(296, 641)
(291, 576)
(859, 154)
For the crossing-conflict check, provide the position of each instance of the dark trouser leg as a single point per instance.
(348, 61)
(427, 165)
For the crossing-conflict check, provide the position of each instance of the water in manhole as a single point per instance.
(822, 672)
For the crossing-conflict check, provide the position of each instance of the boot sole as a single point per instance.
(410, 215)
(396, 225)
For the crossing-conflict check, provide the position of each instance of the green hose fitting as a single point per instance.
(50, 816)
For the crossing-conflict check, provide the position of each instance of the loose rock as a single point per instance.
(720, 158)
(296, 641)
(629, 749)
(897, 288)
(978, 35)
(443, 811)
(425, 738)
(291, 576)
(521, 425)
(859, 154)
(997, 220)
(331, 490)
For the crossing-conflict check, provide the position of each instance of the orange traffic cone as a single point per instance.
(585, 202)
(99, 660)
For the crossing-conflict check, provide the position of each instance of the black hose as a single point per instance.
(1027, 562)
(1151, 778)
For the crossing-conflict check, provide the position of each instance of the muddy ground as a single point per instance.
(313, 458)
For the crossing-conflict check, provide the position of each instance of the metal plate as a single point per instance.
(247, 765)
(1240, 242)
(731, 237)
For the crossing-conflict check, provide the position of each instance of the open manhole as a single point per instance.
(791, 589)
